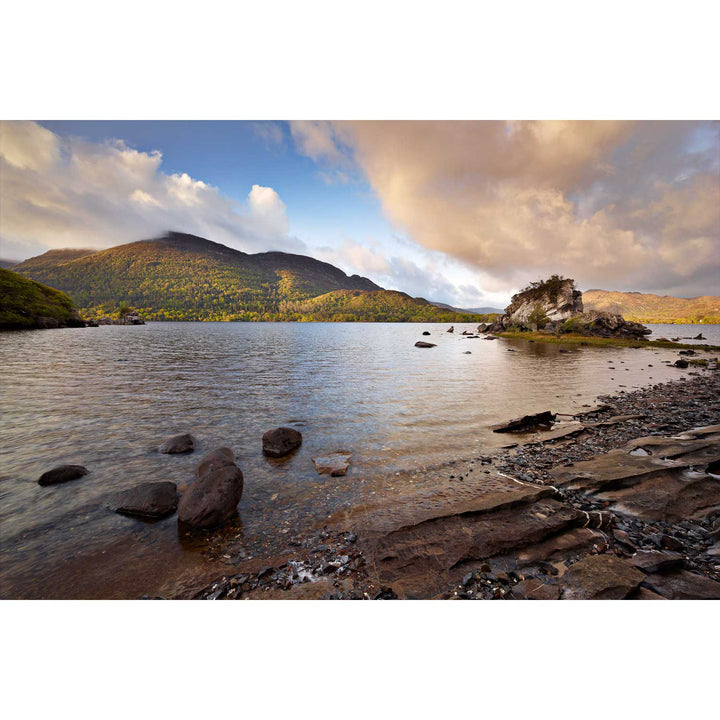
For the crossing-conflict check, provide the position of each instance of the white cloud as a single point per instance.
(59, 192)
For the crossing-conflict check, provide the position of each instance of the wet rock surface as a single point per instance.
(178, 445)
(423, 344)
(335, 464)
(627, 508)
(62, 474)
(149, 500)
(213, 498)
(281, 441)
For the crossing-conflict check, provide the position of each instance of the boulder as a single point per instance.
(334, 464)
(600, 577)
(212, 499)
(422, 344)
(699, 337)
(681, 363)
(151, 500)
(219, 458)
(178, 444)
(425, 332)
(526, 423)
(451, 329)
(281, 441)
(62, 474)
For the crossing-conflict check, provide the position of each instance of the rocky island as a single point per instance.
(555, 306)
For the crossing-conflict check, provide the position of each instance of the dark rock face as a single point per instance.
(281, 441)
(600, 577)
(212, 499)
(151, 500)
(526, 423)
(62, 474)
(422, 344)
(178, 445)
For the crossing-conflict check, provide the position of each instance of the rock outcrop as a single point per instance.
(555, 305)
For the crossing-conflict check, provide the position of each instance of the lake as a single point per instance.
(107, 397)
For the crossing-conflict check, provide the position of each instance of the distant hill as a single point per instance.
(648, 308)
(185, 277)
(26, 304)
(8, 263)
(375, 306)
(469, 311)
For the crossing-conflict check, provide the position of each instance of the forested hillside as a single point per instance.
(185, 277)
(648, 308)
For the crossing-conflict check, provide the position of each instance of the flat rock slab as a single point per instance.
(669, 480)
(571, 429)
(535, 589)
(419, 560)
(600, 577)
(281, 441)
(151, 500)
(683, 585)
(178, 445)
(653, 561)
(335, 464)
(62, 474)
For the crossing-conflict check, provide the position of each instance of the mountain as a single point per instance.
(26, 304)
(7, 263)
(185, 277)
(648, 308)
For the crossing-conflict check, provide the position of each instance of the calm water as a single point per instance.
(107, 397)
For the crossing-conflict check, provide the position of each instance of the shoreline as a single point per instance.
(375, 551)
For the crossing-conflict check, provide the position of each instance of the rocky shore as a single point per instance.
(620, 501)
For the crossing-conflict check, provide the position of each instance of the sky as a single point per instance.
(464, 213)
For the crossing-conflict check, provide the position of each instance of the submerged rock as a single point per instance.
(212, 499)
(178, 444)
(281, 441)
(526, 423)
(152, 500)
(334, 464)
(422, 344)
(62, 474)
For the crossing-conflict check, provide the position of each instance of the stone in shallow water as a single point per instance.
(334, 464)
(281, 441)
(61, 474)
(212, 499)
(178, 444)
(153, 500)
(422, 344)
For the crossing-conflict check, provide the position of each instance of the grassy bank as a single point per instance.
(572, 339)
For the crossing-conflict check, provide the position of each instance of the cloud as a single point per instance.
(65, 192)
(270, 133)
(620, 205)
(432, 276)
